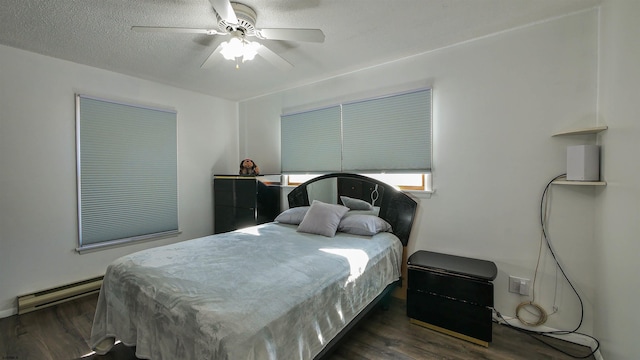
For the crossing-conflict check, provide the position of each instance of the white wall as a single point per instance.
(38, 221)
(497, 100)
(618, 206)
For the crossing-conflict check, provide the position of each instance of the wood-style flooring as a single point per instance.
(62, 332)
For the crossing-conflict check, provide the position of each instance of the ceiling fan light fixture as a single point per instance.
(239, 47)
(238, 21)
(250, 50)
(232, 48)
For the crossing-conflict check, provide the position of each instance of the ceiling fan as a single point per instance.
(238, 20)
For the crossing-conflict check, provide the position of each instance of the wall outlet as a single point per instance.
(519, 285)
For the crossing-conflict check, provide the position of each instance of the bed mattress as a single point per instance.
(264, 292)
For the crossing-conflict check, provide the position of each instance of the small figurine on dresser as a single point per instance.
(249, 168)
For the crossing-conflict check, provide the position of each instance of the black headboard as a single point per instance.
(396, 207)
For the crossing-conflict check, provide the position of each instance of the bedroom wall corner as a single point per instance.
(617, 206)
(258, 127)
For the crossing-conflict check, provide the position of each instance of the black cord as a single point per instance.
(533, 334)
(548, 242)
(557, 332)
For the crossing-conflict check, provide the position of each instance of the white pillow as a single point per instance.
(322, 218)
(292, 216)
(355, 204)
(359, 224)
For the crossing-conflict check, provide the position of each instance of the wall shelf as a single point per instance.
(564, 181)
(583, 131)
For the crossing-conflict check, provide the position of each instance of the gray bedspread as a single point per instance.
(265, 292)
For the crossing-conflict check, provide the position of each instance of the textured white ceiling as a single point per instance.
(359, 33)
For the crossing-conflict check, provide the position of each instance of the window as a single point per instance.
(387, 137)
(311, 135)
(391, 134)
(127, 172)
(417, 182)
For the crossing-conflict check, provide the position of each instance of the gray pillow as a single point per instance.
(292, 216)
(355, 204)
(375, 211)
(322, 218)
(359, 224)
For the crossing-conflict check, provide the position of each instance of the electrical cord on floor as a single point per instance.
(542, 313)
(533, 334)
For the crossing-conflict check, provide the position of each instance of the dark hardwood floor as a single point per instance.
(62, 332)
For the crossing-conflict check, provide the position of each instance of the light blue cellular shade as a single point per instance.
(311, 141)
(388, 134)
(127, 171)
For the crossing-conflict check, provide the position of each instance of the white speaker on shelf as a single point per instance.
(583, 163)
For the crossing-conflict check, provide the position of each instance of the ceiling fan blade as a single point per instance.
(274, 58)
(224, 9)
(310, 35)
(214, 58)
(174, 30)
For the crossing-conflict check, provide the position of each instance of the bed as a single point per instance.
(288, 289)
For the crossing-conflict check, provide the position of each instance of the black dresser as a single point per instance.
(451, 294)
(242, 201)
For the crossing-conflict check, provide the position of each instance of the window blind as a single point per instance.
(127, 172)
(311, 141)
(388, 134)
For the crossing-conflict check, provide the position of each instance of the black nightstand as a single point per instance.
(451, 294)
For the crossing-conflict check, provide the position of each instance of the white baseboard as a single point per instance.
(573, 338)
(7, 313)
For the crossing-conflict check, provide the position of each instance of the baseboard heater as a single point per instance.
(60, 294)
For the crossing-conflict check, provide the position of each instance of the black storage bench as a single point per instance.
(451, 294)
